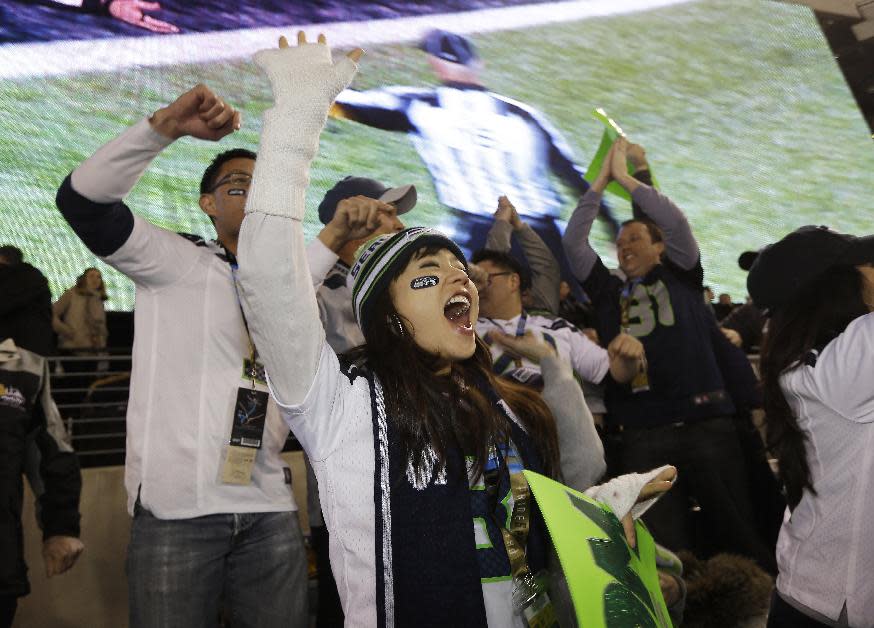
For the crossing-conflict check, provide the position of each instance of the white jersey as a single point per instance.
(589, 361)
(476, 144)
(824, 552)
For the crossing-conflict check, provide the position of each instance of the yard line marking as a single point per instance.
(58, 58)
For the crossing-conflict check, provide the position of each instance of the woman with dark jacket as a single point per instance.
(817, 367)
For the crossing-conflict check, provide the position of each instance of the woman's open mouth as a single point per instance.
(457, 312)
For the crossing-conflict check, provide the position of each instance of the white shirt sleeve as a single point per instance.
(154, 257)
(588, 359)
(111, 172)
(276, 285)
(319, 420)
(321, 260)
(844, 371)
(151, 256)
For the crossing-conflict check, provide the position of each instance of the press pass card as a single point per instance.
(250, 411)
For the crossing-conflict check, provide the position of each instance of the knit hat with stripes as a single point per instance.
(383, 258)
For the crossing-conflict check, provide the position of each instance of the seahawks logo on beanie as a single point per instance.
(383, 257)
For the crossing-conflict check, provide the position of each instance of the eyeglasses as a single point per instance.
(490, 275)
(236, 179)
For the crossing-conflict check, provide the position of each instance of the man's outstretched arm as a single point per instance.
(91, 198)
(379, 108)
(545, 272)
(581, 256)
(680, 244)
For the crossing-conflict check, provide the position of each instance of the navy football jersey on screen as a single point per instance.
(666, 312)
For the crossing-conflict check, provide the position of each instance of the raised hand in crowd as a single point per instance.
(659, 485)
(527, 346)
(60, 553)
(478, 276)
(605, 175)
(507, 212)
(200, 113)
(355, 218)
(619, 158)
(627, 357)
(637, 157)
(133, 12)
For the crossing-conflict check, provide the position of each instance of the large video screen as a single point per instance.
(744, 114)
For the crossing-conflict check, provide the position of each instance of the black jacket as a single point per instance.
(32, 440)
(26, 308)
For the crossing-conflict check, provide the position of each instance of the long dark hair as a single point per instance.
(820, 312)
(440, 412)
(81, 284)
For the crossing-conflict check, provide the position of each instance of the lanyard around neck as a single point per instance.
(516, 537)
(520, 326)
(253, 352)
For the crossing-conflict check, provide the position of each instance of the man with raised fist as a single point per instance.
(214, 518)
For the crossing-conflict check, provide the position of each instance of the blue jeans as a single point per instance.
(182, 572)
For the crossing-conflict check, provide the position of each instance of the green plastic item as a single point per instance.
(611, 131)
(611, 584)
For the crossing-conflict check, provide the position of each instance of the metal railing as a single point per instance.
(91, 393)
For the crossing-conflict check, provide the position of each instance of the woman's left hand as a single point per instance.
(659, 485)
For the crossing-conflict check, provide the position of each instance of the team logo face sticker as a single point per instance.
(428, 281)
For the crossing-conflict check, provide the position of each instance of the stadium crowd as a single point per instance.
(422, 381)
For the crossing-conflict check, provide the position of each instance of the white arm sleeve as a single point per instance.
(580, 448)
(111, 173)
(844, 371)
(276, 283)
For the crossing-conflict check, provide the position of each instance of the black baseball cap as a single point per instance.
(782, 269)
(746, 259)
(449, 47)
(403, 197)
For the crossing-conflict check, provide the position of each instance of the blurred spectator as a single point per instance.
(26, 306)
(30, 420)
(334, 252)
(79, 317)
(746, 322)
(577, 313)
(708, 299)
(723, 306)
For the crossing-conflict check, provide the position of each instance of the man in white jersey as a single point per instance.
(476, 144)
(214, 518)
(501, 313)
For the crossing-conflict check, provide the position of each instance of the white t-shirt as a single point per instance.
(825, 553)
